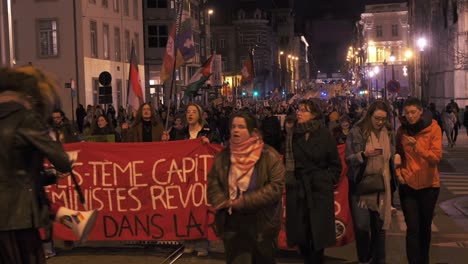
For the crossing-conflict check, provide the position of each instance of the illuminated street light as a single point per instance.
(422, 43)
(210, 11)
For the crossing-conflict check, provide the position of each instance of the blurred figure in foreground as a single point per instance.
(27, 98)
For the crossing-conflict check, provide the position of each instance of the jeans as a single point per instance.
(418, 208)
(369, 235)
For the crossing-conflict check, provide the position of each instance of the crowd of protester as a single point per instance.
(270, 147)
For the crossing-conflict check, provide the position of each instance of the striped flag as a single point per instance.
(181, 36)
(135, 96)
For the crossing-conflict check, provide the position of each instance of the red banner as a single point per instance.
(143, 191)
(155, 191)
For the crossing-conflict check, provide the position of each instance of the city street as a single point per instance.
(449, 243)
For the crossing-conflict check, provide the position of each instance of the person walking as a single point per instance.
(419, 143)
(245, 185)
(370, 147)
(27, 97)
(312, 157)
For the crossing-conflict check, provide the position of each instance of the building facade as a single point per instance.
(387, 50)
(159, 17)
(74, 41)
(442, 74)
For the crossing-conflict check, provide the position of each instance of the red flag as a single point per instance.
(135, 93)
(180, 46)
(247, 71)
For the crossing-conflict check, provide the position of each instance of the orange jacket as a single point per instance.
(419, 166)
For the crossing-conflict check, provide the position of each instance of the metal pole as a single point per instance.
(385, 80)
(422, 75)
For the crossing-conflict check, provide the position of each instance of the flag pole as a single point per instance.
(179, 8)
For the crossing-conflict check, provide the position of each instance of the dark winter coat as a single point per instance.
(135, 133)
(25, 144)
(264, 201)
(206, 131)
(317, 170)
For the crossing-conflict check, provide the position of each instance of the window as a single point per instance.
(221, 43)
(156, 3)
(135, 9)
(126, 8)
(117, 52)
(224, 65)
(157, 36)
(394, 30)
(127, 45)
(116, 5)
(15, 39)
(259, 38)
(95, 91)
(118, 84)
(202, 17)
(379, 31)
(105, 3)
(48, 38)
(202, 46)
(136, 42)
(93, 38)
(105, 40)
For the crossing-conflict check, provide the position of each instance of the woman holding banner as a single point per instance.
(313, 168)
(370, 147)
(245, 186)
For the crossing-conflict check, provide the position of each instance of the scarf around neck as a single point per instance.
(310, 126)
(243, 158)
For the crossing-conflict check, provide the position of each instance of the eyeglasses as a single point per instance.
(380, 119)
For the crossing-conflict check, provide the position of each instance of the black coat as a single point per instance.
(206, 131)
(311, 196)
(25, 144)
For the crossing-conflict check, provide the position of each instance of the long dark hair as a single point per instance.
(139, 115)
(365, 124)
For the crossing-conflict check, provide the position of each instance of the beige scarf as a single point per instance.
(380, 202)
(243, 158)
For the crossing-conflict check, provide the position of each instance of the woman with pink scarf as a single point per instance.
(245, 186)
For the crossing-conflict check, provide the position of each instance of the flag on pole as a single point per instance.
(247, 71)
(135, 95)
(199, 78)
(181, 36)
(205, 70)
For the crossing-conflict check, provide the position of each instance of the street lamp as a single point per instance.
(422, 43)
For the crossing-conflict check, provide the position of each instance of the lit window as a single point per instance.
(93, 38)
(48, 38)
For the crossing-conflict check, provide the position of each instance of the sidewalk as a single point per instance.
(455, 160)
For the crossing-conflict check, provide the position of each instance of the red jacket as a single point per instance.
(419, 166)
